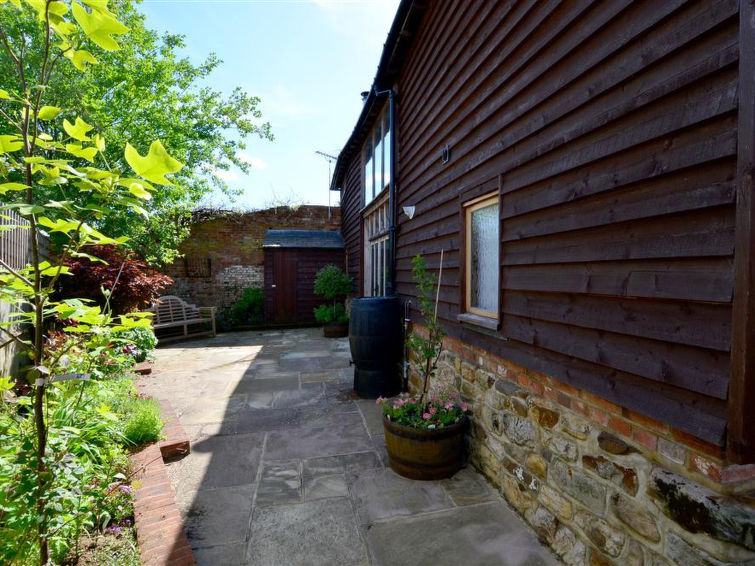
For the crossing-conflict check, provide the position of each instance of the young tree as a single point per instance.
(40, 152)
(141, 92)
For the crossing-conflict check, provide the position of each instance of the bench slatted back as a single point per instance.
(173, 309)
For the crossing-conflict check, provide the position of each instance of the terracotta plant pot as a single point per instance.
(425, 454)
(335, 329)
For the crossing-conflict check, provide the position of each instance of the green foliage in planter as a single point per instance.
(332, 283)
(441, 409)
(143, 422)
(426, 349)
(331, 313)
(426, 410)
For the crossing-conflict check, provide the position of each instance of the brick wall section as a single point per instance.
(599, 483)
(225, 251)
(159, 526)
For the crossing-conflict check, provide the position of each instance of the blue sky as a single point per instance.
(307, 60)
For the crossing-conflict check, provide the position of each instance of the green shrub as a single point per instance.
(139, 342)
(86, 464)
(331, 313)
(332, 283)
(247, 311)
(143, 422)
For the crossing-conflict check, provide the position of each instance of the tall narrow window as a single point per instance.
(482, 267)
(376, 248)
(377, 158)
(369, 175)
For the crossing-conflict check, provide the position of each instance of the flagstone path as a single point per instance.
(288, 468)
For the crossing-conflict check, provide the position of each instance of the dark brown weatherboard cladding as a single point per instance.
(351, 224)
(610, 130)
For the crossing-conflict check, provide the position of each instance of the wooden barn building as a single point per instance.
(587, 170)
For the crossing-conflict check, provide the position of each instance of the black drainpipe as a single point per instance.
(390, 284)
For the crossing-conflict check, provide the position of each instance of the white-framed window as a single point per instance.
(482, 268)
(377, 158)
(376, 230)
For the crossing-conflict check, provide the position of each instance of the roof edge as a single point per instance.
(400, 37)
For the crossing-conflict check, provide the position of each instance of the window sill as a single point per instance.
(477, 320)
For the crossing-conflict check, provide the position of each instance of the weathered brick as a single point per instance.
(645, 438)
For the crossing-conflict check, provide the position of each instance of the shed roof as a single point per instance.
(302, 239)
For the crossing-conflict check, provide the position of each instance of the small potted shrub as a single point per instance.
(333, 284)
(424, 432)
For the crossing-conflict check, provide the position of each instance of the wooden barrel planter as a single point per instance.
(425, 454)
(335, 329)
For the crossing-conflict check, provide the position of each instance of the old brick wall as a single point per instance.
(600, 484)
(223, 254)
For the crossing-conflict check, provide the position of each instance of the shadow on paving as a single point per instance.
(287, 466)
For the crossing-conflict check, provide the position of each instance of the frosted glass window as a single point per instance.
(482, 258)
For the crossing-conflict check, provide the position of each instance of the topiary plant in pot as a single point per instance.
(424, 432)
(333, 284)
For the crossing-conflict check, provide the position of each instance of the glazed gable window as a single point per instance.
(482, 223)
(377, 158)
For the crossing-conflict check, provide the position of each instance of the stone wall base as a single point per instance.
(598, 483)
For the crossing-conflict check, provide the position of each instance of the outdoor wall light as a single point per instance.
(409, 211)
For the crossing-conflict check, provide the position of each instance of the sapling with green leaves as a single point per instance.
(30, 160)
(332, 283)
(443, 407)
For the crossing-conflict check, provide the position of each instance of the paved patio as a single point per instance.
(288, 467)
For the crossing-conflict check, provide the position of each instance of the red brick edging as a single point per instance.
(159, 527)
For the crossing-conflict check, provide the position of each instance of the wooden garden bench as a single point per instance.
(173, 312)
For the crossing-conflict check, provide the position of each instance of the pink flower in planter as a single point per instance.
(449, 405)
(435, 399)
(454, 394)
(433, 410)
(426, 416)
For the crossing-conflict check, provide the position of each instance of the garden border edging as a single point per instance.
(159, 527)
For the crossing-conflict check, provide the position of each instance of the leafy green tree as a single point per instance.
(61, 176)
(138, 93)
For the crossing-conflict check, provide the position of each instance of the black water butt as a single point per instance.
(375, 337)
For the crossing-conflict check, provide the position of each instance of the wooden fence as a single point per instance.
(14, 251)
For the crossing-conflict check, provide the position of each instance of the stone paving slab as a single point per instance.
(288, 466)
(382, 494)
(312, 533)
(483, 535)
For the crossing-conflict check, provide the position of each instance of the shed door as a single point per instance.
(284, 281)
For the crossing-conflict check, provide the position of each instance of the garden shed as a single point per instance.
(292, 260)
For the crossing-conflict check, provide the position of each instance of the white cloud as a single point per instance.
(255, 162)
(227, 176)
